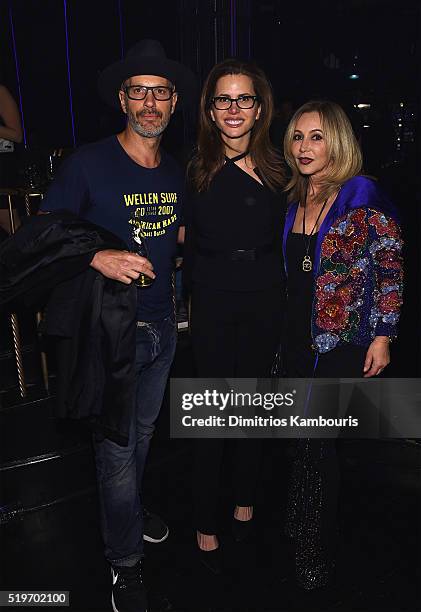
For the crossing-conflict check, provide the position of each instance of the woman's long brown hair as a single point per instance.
(210, 155)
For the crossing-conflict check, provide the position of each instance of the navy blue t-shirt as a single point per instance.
(102, 184)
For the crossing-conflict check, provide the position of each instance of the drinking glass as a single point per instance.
(140, 247)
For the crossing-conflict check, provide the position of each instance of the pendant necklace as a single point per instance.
(307, 263)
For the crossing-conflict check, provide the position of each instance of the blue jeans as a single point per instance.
(120, 468)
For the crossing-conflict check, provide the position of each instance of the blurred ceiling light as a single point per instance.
(363, 105)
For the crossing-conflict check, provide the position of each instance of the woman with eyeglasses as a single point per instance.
(233, 258)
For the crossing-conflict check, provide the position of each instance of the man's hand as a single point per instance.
(378, 356)
(121, 265)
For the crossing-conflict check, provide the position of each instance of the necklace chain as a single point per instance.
(307, 263)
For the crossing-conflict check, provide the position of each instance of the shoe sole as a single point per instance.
(114, 606)
(112, 603)
(148, 538)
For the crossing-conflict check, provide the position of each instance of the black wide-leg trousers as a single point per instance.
(235, 334)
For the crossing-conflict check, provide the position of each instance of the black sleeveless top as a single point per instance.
(236, 212)
(300, 288)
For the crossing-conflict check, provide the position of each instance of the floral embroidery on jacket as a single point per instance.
(359, 285)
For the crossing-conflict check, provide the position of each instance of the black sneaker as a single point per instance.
(128, 591)
(154, 528)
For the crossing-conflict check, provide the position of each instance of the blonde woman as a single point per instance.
(342, 248)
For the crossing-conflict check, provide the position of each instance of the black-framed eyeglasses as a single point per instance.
(139, 92)
(224, 102)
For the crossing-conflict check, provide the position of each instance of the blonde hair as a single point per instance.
(343, 150)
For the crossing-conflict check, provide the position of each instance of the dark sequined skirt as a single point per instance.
(314, 484)
(312, 510)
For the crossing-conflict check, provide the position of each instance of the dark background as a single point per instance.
(307, 48)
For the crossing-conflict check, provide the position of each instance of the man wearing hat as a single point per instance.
(127, 184)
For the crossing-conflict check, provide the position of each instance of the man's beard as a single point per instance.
(142, 130)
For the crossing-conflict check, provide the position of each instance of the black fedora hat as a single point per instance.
(145, 57)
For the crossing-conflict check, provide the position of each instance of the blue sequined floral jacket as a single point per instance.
(358, 267)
